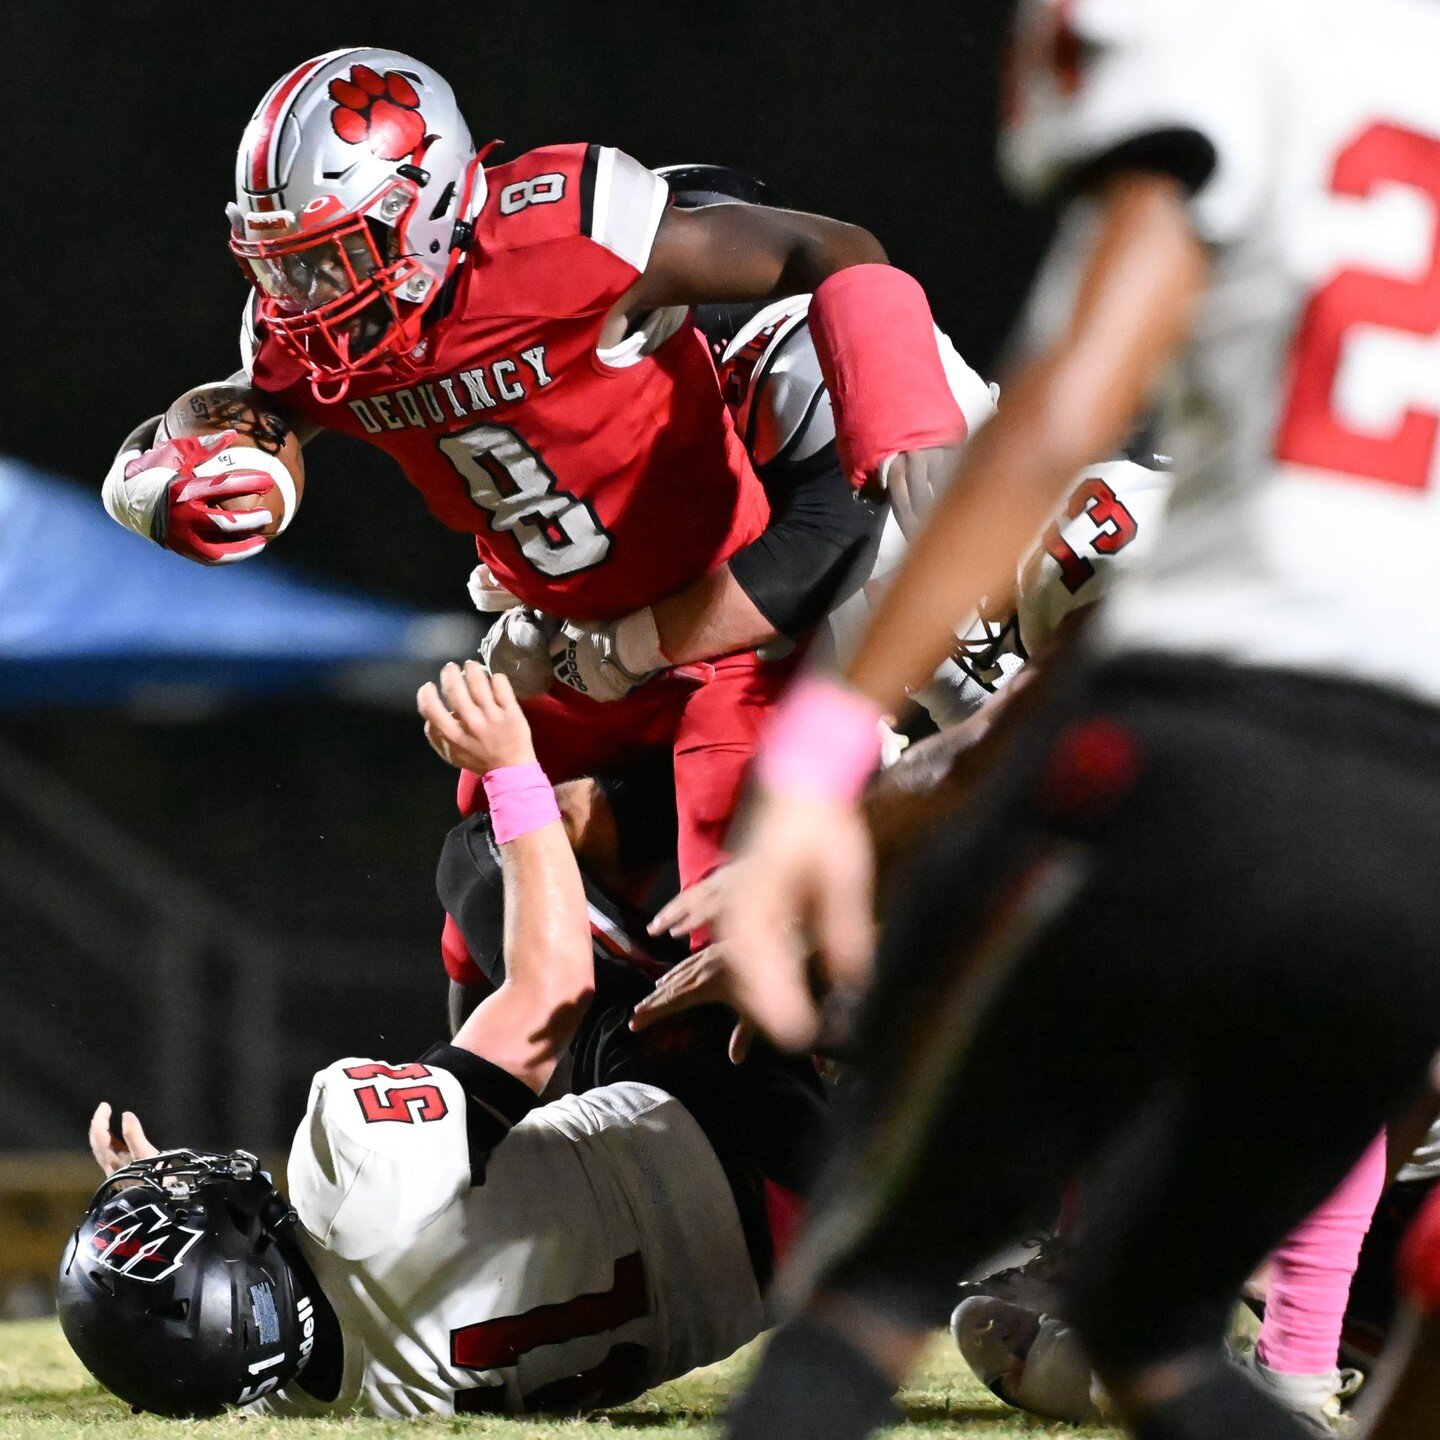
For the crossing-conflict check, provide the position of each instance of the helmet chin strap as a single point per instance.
(317, 388)
(470, 204)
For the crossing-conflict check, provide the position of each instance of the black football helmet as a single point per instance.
(176, 1291)
(692, 187)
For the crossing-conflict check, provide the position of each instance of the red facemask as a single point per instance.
(329, 288)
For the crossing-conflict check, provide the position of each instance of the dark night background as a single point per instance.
(317, 820)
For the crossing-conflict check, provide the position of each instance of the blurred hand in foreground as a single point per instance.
(805, 889)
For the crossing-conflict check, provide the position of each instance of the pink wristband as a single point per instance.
(521, 800)
(875, 339)
(824, 741)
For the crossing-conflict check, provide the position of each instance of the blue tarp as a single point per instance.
(90, 613)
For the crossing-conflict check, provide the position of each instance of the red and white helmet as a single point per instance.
(355, 182)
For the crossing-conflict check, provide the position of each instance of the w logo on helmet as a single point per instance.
(145, 1244)
(381, 111)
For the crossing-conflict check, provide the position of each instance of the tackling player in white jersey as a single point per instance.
(1206, 866)
(773, 383)
(449, 1244)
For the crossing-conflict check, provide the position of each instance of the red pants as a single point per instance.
(712, 725)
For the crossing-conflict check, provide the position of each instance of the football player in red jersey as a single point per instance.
(518, 339)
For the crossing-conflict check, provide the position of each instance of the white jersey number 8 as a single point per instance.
(558, 533)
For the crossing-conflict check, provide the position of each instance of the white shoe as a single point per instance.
(1316, 1399)
(1029, 1359)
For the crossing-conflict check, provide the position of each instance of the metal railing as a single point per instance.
(192, 987)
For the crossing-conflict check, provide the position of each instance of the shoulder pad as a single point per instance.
(561, 191)
(360, 1184)
(772, 381)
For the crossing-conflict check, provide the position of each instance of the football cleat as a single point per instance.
(1026, 1358)
(1316, 1400)
(1034, 1285)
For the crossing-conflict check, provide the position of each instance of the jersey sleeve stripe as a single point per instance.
(626, 206)
(588, 169)
(269, 130)
(1184, 154)
(495, 1101)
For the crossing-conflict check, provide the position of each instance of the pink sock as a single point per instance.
(1310, 1273)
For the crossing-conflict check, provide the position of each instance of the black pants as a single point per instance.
(1186, 947)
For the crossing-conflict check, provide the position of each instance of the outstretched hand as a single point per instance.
(111, 1154)
(704, 978)
(473, 720)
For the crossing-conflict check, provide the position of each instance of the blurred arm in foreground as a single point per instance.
(1074, 401)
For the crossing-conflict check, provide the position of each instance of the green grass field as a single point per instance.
(45, 1395)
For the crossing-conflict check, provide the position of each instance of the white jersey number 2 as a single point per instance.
(1311, 432)
(557, 532)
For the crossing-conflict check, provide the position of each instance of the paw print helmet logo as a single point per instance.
(355, 185)
(381, 111)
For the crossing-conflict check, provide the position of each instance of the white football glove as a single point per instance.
(517, 646)
(610, 660)
(173, 494)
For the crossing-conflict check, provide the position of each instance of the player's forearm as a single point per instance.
(547, 922)
(745, 252)
(820, 248)
(820, 540)
(525, 1026)
(711, 617)
(1075, 402)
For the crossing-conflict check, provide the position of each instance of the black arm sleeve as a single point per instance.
(1185, 155)
(818, 548)
(496, 1101)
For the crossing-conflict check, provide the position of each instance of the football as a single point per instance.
(227, 405)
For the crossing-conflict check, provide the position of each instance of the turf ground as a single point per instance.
(45, 1395)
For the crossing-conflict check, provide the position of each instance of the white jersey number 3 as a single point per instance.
(557, 532)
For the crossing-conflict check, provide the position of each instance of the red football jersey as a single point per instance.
(593, 483)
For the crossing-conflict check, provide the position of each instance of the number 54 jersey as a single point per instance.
(1304, 412)
(594, 481)
(589, 1253)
